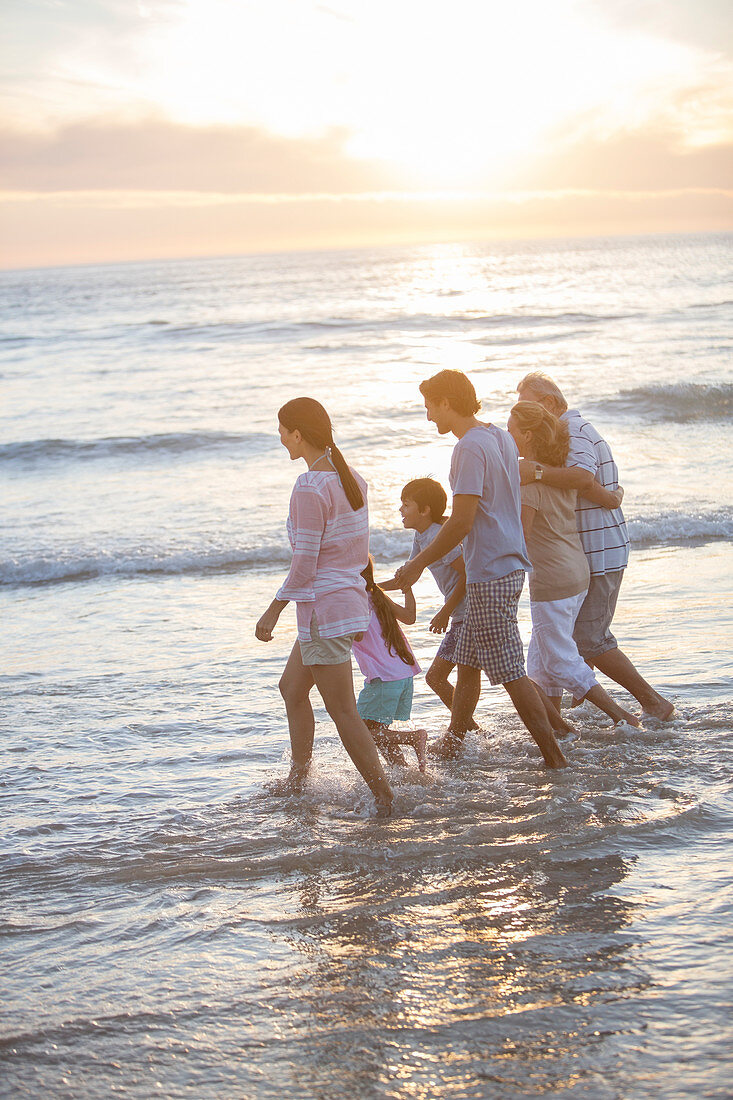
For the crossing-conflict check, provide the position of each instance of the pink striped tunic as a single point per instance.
(330, 543)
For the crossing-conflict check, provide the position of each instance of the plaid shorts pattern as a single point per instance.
(449, 646)
(490, 639)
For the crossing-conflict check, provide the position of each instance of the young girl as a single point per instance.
(559, 579)
(388, 666)
(328, 528)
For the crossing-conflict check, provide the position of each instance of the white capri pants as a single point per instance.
(553, 660)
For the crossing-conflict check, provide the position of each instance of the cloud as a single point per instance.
(159, 155)
(704, 23)
(156, 154)
(110, 190)
(646, 161)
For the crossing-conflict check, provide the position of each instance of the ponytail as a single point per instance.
(394, 639)
(310, 418)
(348, 482)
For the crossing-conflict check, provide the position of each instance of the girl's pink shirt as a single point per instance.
(375, 660)
(330, 543)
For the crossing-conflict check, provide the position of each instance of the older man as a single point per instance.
(603, 535)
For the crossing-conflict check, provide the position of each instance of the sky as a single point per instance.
(135, 129)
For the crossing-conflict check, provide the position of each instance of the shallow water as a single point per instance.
(168, 926)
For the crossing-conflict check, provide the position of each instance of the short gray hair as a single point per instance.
(543, 386)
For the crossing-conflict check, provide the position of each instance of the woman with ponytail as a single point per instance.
(560, 575)
(328, 529)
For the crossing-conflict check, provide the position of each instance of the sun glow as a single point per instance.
(447, 97)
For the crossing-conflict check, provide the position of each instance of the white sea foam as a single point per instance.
(676, 401)
(386, 545)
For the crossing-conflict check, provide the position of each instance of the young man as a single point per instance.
(603, 536)
(485, 517)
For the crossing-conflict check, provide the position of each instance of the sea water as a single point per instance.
(169, 927)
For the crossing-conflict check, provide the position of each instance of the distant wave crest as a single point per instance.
(388, 546)
(38, 451)
(463, 321)
(680, 527)
(678, 401)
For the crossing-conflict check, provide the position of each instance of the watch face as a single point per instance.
(538, 473)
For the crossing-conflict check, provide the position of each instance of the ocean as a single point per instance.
(168, 926)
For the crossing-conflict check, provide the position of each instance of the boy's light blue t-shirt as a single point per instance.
(485, 464)
(445, 575)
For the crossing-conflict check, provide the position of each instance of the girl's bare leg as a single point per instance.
(419, 741)
(295, 686)
(336, 685)
(386, 741)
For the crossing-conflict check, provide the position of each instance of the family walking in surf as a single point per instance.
(541, 498)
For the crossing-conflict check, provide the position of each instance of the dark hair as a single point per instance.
(427, 494)
(391, 632)
(309, 417)
(550, 436)
(455, 387)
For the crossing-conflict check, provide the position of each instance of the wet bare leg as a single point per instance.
(386, 742)
(617, 666)
(336, 685)
(437, 680)
(601, 699)
(465, 698)
(418, 739)
(552, 710)
(531, 709)
(295, 686)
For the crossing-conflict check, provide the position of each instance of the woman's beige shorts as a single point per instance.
(325, 651)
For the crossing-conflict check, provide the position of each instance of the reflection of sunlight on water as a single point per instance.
(408, 972)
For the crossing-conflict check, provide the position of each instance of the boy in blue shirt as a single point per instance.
(423, 511)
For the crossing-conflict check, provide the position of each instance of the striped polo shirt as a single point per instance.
(602, 530)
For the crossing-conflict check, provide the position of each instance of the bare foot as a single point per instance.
(420, 748)
(661, 710)
(447, 747)
(292, 785)
(384, 808)
(628, 717)
(555, 759)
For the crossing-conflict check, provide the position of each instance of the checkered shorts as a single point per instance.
(490, 639)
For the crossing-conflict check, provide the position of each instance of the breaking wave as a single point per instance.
(38, 451)
(387, 545)
(678, 401)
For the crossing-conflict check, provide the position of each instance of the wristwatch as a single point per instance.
(538, 472)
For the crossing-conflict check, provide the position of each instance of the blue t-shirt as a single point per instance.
(443, 572)
(485, 464)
